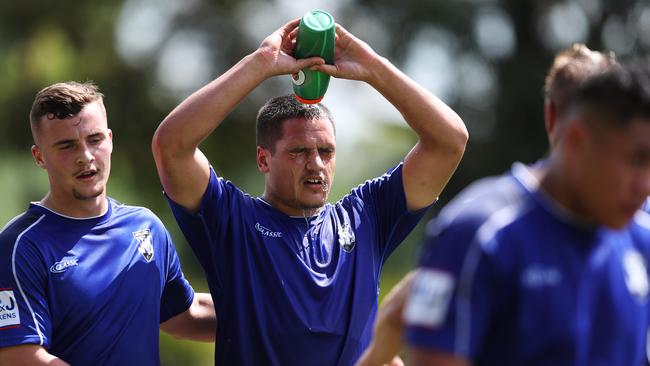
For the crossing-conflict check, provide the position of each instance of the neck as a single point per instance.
(91, 207)
(557, 183)
(290, 210)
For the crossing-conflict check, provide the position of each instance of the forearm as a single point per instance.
(435, 123)
(387, 337)
(28, 355)
(196, 117)
(198, 323)
(378, 355)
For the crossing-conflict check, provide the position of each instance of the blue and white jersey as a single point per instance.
(508, 278)
(91, 291)
(295, 290)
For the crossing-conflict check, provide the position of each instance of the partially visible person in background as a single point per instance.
(461, 218)
(84, 279)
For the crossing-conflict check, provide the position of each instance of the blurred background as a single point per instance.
(485, 58)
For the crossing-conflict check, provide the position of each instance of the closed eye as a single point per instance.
(96, 138)
(64, 145)
(299, 150)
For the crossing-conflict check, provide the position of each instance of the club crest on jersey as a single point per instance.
(9, 315)
(145, 248)
(636, 274)
(346, 237)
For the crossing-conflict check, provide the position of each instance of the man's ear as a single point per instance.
(262, 159)
(576, 137)
(550, 120)
(38, 156)
(110, 137)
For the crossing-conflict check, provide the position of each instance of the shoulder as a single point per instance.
(21, 238)
(479, 202)
(136, 217)
(394, 173)
(223, 194)
(384, 187)
(641, 220)
(18, 226)
(640, 228)
(481, 217)
(122, 209)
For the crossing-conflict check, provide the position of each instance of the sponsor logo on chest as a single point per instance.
(145, 247)
(537, 276)
(267, 232)
(63, 265)
(9, 314)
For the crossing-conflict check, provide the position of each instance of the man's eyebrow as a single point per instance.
(68, 141)
(64, 142)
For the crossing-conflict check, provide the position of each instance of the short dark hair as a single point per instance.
(571, 67)
(620, 94)
(63, 100)
(274, 112)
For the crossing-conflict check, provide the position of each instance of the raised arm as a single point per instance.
(182, 167)
(28, 355)
(442, 136)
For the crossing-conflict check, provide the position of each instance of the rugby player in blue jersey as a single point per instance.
(85, 280)
(294, 278)
(547, 265)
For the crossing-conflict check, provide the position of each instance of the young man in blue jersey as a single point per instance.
(295, 279)
(553, 271)
(85, 280)
(561, 275)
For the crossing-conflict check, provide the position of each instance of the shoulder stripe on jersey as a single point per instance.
(11, 222)
(485, 233)
(66, 216)
(20, 288)
(642, 218)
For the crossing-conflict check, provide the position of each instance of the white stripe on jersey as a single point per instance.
(485, 233)
(20, 288)
(642, 218)
(11, 222)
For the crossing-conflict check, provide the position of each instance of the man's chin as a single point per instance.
(88, 194)
(313, 204)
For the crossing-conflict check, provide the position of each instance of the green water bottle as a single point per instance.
(316, 34)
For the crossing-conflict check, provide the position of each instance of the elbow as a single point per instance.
(157, 143)
(164, 145)
(456, 141)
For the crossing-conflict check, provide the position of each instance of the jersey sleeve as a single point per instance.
(203, 227)
(456, 291)
(385, 202)
(178, 294)
(24, 308)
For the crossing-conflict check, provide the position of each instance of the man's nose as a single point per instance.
(315, 161)
(85, 155)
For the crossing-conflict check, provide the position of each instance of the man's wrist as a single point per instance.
(259, 64)
(379, 69)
